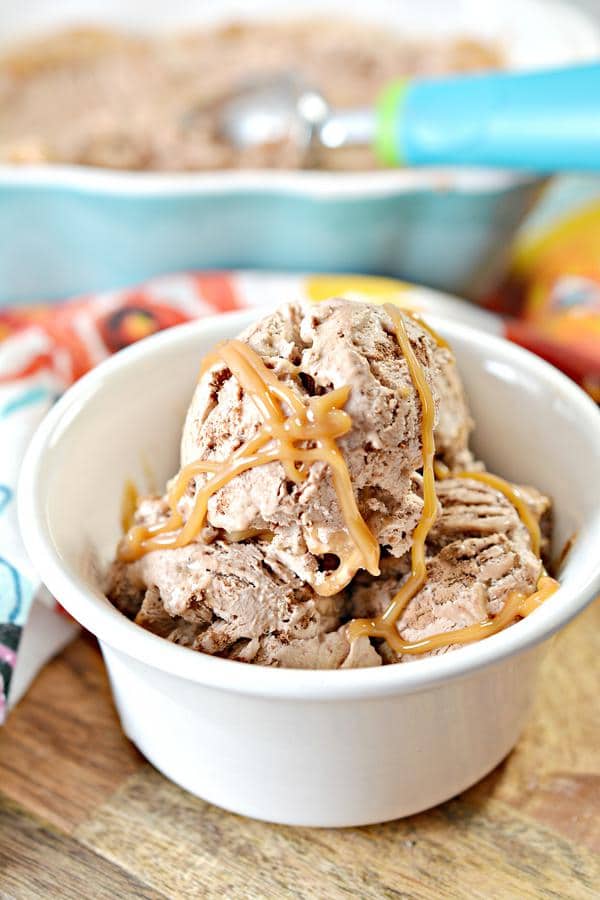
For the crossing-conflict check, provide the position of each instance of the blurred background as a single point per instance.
(125, 152)
(105, 88)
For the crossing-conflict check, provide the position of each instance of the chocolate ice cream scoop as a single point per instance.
(313, 350)
(234, 600)
(237, 600)
(478, 552)
(328, 512)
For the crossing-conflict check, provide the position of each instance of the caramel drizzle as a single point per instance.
(517, 605)
(318, 424)
(510, 491)
(567, 547)
(129, 502)
(307, 434)
(418, 318)
(384, 626)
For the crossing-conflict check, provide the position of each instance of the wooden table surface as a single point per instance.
(83, 815)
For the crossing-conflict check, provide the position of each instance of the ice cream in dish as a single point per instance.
(328, 511)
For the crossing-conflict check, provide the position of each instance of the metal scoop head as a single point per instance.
(283, 107)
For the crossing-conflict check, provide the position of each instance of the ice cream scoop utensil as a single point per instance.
(543, 121)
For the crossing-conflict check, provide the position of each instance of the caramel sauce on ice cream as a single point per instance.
(297, 432)
(510, 491)
(517, 605)
(293, 433)
(129, 502)
(385, 626)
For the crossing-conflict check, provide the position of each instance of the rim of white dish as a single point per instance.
(113, 628)
(317, 185)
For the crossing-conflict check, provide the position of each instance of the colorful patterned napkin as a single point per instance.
(44, 349)
(554, 286)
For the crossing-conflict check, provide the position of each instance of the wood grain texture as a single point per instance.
(83, 801)
(76, 872)
(553, 774)
(450, 852)
(61, 751)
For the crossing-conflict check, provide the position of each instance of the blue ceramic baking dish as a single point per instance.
(66, 230)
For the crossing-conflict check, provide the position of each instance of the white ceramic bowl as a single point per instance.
(307, 747)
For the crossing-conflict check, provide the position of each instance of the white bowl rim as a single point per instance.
(113, 628)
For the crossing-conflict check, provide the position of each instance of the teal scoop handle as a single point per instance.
(543, 121)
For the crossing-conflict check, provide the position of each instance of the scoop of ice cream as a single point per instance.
(478, 552)
(265, 578)
(313, 349)
(235, 600)
(471, 508)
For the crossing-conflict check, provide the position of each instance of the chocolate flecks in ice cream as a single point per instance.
(235, 600)
(326, 475)
(313, 351)
(478, 552)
